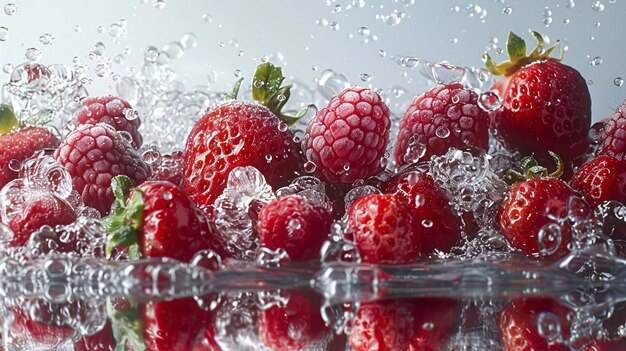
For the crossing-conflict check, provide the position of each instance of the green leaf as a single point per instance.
(8, 121)
(40, 119)
(127, 327)
(121, 186)
(124, 224)
(266, 83)
(291, 120)
(515, 47)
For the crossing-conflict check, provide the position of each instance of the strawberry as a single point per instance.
(93, 155)
(612, 138)
(295, 326)
(113, 111)
(156, 219)
(443, 117)
(521, 320)
(241, 133)
(296, 225)
(601, 179)
(532, 204)
(347, 140)
(438, 227)
(19, 143)
(384, 231)
(410, 324)
(44, 209)
(27, 333)
(546, 105)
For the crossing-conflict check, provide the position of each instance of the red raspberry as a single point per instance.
(113, 111)
(93, 155)
(601, 179)
(384, 230)
(443, 117)
(347, 140)
(296, 225)
(612, 140)
(438, 226)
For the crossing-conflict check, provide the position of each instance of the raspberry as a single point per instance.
(112, 111)
(347, 140)
(612, 140)
(443, 117)
(384, 230)
(93, 154)
(296, 225)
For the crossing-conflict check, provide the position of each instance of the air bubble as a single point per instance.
(442, 132)
(15, 165)
(173, 50)
(427, 223)
(46, 39)
(596, 61)
(507, 10)
(598, 6)
(335, 26)
(489, 101)
(549, 327)
(188, 41)
(619, 81)
(159, 4)
(4, 34)
(363, 31)
(415, 150)
(10, 9)
(310, 167)
(7, 68)
(365, 77)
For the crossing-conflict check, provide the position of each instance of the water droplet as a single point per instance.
(382, 53)
(489, 101)
(549, 327)
(46, 39)
(131, 114)
(173, 50)
(565, 21)
(596, 61)
(159, 4)
(188, 41)
(454, 40)
(363, 31)
(100, 29)
(334, 26)
(598, 6)
(415, 150)
(420, 200)
(32, 54)
(309, 167)
(589, 82)
(427, 223)
(15, 165)
(549, 239)
(4, 34)
(365, 77)
(207, 17)
(442, 132)
(618, 81)
(77, 28)
(507, 10)
(151, 54)
(10, 9)
(7, 68)
(102, 69)
(547, 17)
(167, 195)
(238, 73)
(116, 30)
(265, 58)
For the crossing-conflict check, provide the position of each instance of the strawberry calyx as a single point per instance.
(8, 120)
(126, 326)
(532, 169)
(516, 50)
(126, 218)
(267, 89)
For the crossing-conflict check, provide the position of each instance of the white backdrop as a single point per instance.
(303, 33)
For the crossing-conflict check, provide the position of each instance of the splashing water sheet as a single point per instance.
(142, 209)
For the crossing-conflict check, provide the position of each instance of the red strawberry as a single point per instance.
(173, 325)
(296, 225)
(296, 326)
(612, 139)
(113, 111)
(19, 143)
(94, 154)
(522, 322)
(159, 218)
(44, 209)
(347, 140)
(32, 334)
(443, 117)
(416, 324)
(545, 104)
(241, 133)
(601, 179)
(383, 230)
(438, 227)
(534, 203)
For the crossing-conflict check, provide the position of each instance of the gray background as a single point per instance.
(427, 31)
